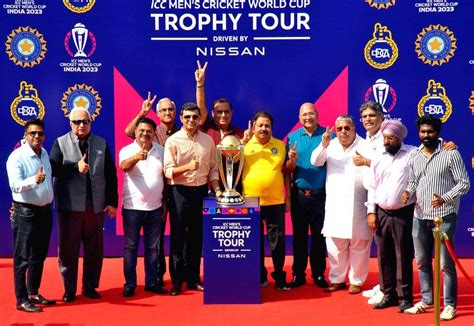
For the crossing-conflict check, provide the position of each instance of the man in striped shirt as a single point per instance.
(438, 178)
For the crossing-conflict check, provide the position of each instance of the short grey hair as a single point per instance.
(371, 105)
(164, 99)
(346, 117)
(79, 109)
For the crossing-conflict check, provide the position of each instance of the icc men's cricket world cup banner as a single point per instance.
(414, 57)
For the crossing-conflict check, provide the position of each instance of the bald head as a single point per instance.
(308, 117)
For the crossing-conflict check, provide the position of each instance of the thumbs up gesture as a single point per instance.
(40, 176)
(142, 154)
(326, 138)
(359, 160)
(193, 165)
(82, 165)
(437, 201)
(292, 154)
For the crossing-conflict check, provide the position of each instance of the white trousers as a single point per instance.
(344, 254)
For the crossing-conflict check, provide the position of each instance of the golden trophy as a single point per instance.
(233, 151)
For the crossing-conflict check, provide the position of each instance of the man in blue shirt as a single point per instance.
(308, 198)
(29, 177)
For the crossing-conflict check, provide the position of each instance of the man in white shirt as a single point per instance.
(142, 162)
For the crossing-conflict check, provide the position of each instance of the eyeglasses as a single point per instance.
(78, 122)
(34, 133)
(191, 117)
(166, 110)
(346, 128)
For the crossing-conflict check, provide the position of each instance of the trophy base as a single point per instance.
(230, 197)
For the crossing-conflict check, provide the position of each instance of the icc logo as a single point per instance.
(81, 38)
(79, 6)
(381, 4)
(435, 45)
(81, 95)
(381, 51)
(435, 102)
(382, 93)
(26, 46)
(27, 105)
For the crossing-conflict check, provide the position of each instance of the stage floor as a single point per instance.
(307, 305)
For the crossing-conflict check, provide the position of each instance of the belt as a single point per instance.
(395, 212)
(310, 193)
(31, 206)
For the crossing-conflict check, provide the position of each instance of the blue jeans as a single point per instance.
(423, 241)
(152, 223)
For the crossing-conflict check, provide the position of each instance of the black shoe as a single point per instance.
(406, 304)
(160, 282)
(282, 286)
(386, 302)
(297, 282)
(175, 290)
(321, 282)
(128, 291)
(39, 299)
(91, 293)
(155, 289)
(28, 306)
(69, 297)
(196, 286)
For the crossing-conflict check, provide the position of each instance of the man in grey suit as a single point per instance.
(85, 189)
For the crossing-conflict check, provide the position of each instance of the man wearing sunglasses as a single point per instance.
(190, 164)
(29, 177)
(85, 189)
(348, 236)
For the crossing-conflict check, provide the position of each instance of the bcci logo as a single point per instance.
(435, 45)
(27, 105)
(382, 93)
(81, 95)
(435, 102)
(26, 47)
(381, 51)
(82, 40)
(381, 4)
(79, 6)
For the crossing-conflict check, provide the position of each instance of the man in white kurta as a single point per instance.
(348, 236)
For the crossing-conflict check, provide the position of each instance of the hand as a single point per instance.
(218, 192)
(200, 74)
(438, 201)
(82, 165)
(11, 211)
(147, 105)
(248, 133)
(326, 138)
(287, 204)
(404, 198)
(141, 155)
(372, 221)
(110, 210)
(193, 165)
(449, 146)
(359, 160)
(40, 176)
(292, 154)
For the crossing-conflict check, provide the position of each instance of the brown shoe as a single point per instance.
(335, 287)
(354, 289)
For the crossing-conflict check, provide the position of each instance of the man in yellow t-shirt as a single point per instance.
(264, 177)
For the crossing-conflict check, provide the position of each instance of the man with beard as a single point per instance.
(264, 176)
(348, 236)
(142, 163)
(438, 178)
(391, 220)
(308, 197)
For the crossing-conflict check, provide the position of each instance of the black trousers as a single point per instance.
(31, 233)
(273, 216)
(161, 254)
(395, 251)
(186, 233)
(74, 228)
(307, 211)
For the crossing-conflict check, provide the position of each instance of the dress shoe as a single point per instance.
(196, 286)
(39, 299)
(155, 289)
(282, 286)
(28, 306)
(91, 293)
(406, 304)
(335, 287)
(128, 291)
(297, 282)
(354, 289)
(69, 297)
(386, 302)
(175, 290)
(320, 282)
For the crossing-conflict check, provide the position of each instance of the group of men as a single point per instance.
(339, 186)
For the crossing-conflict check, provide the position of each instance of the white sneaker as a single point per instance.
(418, 308)
(376, 298)
(370, 293)
(448, 313)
